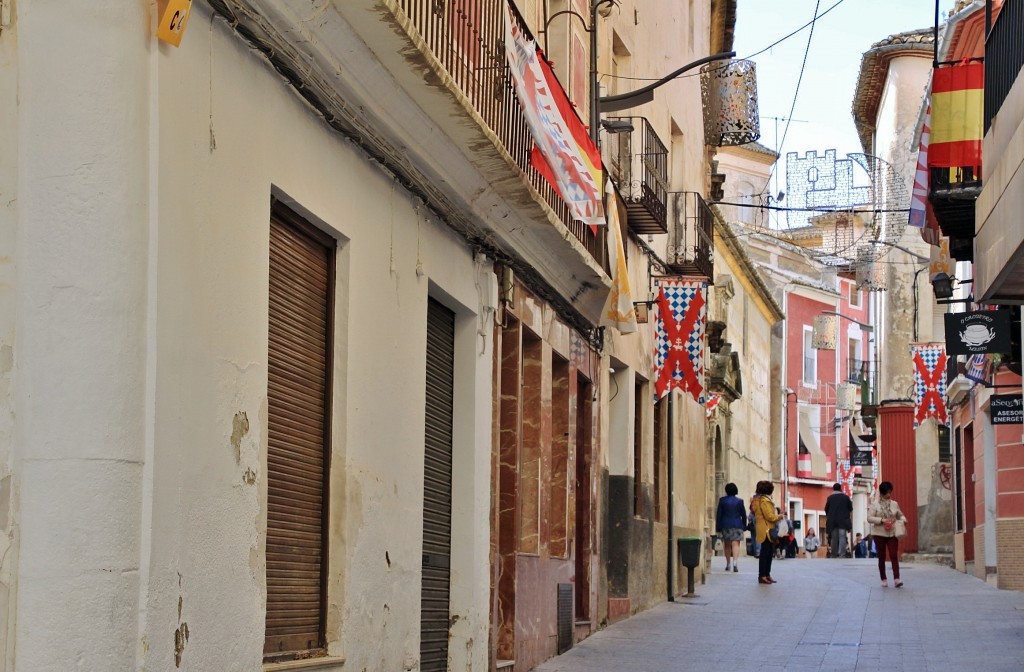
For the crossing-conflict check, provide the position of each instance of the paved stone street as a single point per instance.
(821, 615)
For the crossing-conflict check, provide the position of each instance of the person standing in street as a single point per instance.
(882, 515)
(765, 518)
(730, 523)
(838, 520)
(811, 544)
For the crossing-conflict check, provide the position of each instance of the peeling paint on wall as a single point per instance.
(5, 503)
(239, 428)
(180, 638)
(181, 633)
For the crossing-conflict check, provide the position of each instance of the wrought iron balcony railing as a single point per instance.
(1004, 57)
(952, 193)
(466, 37)
(691, 248)
(637, 162)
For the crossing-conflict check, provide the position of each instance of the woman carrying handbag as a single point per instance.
(765, 521)
(888, 525)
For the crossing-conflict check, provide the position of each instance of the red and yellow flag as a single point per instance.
(957, 120)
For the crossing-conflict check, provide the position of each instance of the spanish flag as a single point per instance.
(957, 121)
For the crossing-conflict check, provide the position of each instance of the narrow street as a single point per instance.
(821, 615)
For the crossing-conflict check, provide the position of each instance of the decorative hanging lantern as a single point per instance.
(846, 397)
(729, 95)
(871, 276)
(826, 332)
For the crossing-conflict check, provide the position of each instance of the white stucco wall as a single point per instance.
(141, 364)
(80, 321)
(639, 24)
(898, 111)
(8, 286)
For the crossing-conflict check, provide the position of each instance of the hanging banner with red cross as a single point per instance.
(846, 475)
(679, 336)
(929, 382)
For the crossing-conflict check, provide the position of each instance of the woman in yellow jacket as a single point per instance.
(765, 518)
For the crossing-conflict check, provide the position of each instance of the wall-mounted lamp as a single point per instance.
(942, 285)
(617, 126)
(643, 309)
(602, 8)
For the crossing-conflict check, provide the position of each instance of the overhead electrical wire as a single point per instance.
(853, 209)
(796, 92)
(746, 58)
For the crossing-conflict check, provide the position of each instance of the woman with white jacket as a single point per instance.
(883, 515)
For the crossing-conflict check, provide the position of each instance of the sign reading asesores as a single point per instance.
(977, 331)
(1007, 409)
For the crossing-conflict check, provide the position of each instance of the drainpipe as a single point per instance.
(595, 93)
(671, 498)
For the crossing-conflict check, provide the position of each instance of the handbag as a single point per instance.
(778, 531)
(899, 528)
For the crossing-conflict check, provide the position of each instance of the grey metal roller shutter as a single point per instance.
(437, 489)
(298, 397)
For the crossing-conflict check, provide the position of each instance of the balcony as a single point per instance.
(422, 88)
(1004, 58)
(999, 267)
(691, 248)
(952, 193)
(637, 161)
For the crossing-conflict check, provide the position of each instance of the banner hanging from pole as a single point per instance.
(619, 311)
(929, 382)
(921, 215)
(679, 336)
(568, 158)
(957, 116)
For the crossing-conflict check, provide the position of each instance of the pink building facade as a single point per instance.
(987, 480)
(823, 390)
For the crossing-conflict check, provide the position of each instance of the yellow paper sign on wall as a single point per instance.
(173, 20)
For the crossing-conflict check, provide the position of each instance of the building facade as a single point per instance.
(303, 357)
(887, 106)
(985, 474)
(741, 446)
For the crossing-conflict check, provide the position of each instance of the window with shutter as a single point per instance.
(298, 399)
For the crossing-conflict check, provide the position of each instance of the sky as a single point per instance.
(821, 118)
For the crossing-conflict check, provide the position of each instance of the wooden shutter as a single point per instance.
(437, 489)
(298, 397)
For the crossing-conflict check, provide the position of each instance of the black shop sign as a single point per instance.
(978, 331)
(1006, 409)
(860, 458)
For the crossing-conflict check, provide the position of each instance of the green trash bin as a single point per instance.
(689, 557)
(689, 551)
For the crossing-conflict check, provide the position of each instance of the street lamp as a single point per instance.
(826, 328)
(942, 284)
(917, 257)
(604, 8)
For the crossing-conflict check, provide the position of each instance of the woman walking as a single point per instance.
(883, 515)
(729, 521)
(765, 518)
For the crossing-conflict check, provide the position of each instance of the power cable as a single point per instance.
(796, 92)
(747, 58)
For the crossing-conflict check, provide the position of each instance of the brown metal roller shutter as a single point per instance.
(437, 489)
(298, 397)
